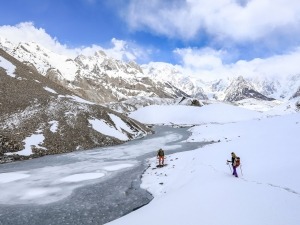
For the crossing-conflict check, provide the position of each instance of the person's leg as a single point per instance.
(163, 160)
(234, 171)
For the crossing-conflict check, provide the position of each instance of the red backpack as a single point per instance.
(237, 162)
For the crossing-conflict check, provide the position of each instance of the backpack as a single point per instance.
(237, 162)
(161, 152)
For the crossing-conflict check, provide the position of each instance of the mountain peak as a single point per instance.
(241, 89)
(100, 53)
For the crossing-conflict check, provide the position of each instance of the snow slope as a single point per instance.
(8, 66)
(197, 187)
(181, 114)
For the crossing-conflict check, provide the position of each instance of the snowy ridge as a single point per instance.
(169, 73)
(120, 81)
(282, 88)
(240, 89)
(97, 78)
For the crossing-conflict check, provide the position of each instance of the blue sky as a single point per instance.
(74, 22)
(195, 34)
(86, 22)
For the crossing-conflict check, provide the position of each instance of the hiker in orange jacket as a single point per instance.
(235, 162)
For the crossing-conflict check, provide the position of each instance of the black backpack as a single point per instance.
(161, 152)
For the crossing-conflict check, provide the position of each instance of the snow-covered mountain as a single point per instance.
(240, 89)
(97, 78)
(102, 79)
(281, 88)
(39, 117)
(170, 73)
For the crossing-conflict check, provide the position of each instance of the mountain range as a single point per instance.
(59, 99)
(102, 79)
(40, 117)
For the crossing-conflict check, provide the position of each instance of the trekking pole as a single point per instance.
(241, 170)
(229, 167)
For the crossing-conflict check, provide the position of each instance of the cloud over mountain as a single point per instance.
(202, 62)
(235, 19)
(28, 32)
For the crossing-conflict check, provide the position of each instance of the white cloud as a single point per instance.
(27, 32)
(204, 62)
(238, 20)
(278, 65)
(120, 50)
(161, 17)
(200, 59)
(209, 64)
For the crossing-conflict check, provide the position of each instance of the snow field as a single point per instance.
(180, 114)
(197, 187)
(190, 191)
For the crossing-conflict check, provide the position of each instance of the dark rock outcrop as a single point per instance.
(297, 94)
(240, 89)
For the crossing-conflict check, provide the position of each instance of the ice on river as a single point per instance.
(10, 177)
(52, 178)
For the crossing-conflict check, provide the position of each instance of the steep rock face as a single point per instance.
(189, 101)
(97, 78)
(169, 73)
(297, 94)
(240, 89)
(297, 104)
(41, 117)
(113, 80)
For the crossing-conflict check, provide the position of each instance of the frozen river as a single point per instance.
(86, 187)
